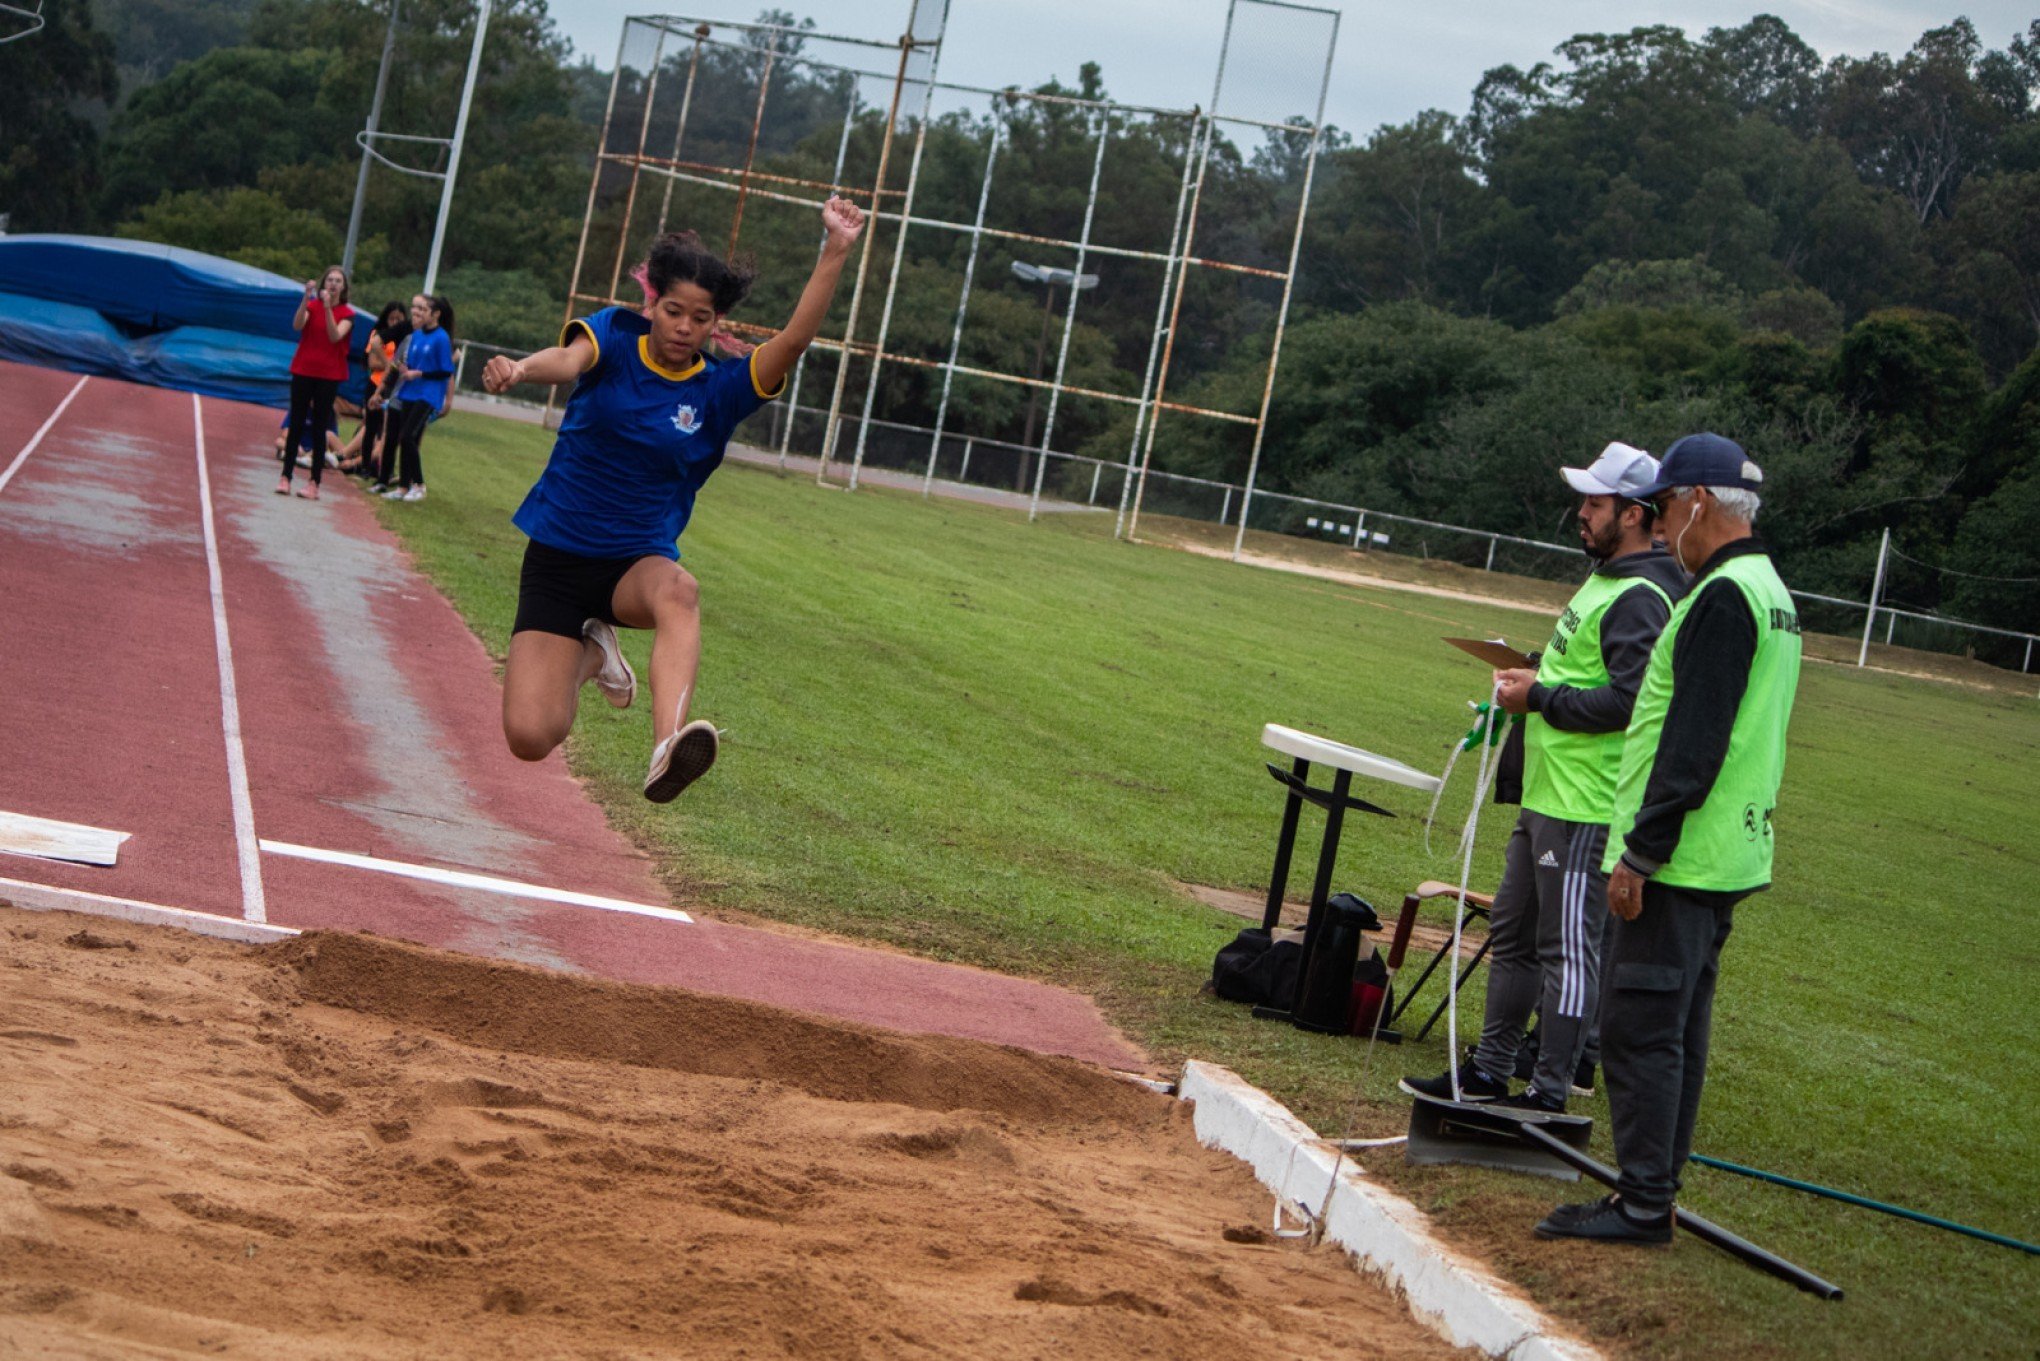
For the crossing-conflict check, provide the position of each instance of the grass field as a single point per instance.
(1004, 743)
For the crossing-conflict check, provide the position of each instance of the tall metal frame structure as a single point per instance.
(913, 84)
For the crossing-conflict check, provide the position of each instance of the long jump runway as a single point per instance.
(294, 727)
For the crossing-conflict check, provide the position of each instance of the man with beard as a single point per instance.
(1690, 832)
(1548, 922)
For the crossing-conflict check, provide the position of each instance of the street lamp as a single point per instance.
(1053, 278)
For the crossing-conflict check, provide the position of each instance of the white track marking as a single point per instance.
(465, 879)
(44, 898)
(37, 438)
(253, 906)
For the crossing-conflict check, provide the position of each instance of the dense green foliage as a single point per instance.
(1836, 262)
(979, 739)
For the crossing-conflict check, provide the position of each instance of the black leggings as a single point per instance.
(401, 450)
(311, 416)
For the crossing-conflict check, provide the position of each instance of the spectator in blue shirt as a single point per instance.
(424, 367)
(648, 420)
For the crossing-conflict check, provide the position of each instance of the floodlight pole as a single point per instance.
(977, 234)
(382, 80)
(1876, 590)
(892, 114)
(1062, 357)
(1144, 413)
(1288, 289)
(467, 98)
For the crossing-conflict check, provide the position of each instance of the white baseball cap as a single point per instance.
(1621, 470)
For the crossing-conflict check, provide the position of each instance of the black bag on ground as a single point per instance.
(1255, 969)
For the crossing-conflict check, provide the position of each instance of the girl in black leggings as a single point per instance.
(323, 323)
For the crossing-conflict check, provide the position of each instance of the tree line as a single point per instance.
(1836, 262)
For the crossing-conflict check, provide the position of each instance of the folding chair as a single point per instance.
(1478, 906)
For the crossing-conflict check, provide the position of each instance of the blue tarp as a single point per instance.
(60, 335)
(150, 286)
(154, 314)
(216, 363)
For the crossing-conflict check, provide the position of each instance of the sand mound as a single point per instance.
(342, 1147)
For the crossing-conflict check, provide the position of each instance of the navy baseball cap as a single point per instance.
(1703, 460)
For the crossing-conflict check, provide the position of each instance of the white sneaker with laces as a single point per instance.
(680, 760)
(616, 681)
(396, 494)
(417, 493)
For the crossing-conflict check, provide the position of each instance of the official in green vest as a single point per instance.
(1546, 927)
(1691, 834)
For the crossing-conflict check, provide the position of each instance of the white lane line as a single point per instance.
(37, 438)
(464, 879)
(253, 906)
(45, 898)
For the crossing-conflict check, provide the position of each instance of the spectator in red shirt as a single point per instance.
(323, 322)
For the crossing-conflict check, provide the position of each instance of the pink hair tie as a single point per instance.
(643, 275)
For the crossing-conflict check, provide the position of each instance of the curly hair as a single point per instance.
(680, 258)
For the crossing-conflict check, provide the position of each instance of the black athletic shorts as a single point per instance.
(558, 591)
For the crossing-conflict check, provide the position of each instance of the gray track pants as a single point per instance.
(1657, 1016)
(1546, 931)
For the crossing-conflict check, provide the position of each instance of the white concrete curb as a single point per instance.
(44, 898)
(1387, 1235)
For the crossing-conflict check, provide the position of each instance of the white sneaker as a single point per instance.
(417, 493)
(680, 760)
(396, 494)
(332, 459)
(616, 681)
(304, 460)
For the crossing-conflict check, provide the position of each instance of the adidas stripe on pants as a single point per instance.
(1547, 931)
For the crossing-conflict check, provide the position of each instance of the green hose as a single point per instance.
(1867, 1204)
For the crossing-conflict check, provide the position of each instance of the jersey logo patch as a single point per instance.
(1548, 861)
(686, 420)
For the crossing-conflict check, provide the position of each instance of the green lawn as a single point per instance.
(997, 742)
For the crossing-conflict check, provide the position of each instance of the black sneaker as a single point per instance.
(1474, 1085)
(1605, 1221)
(1583, 1079)
(1528, 1100)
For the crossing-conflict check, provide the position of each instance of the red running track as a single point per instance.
(368, 725)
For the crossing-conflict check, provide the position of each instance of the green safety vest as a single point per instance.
(1571, 775)
(1725, 844)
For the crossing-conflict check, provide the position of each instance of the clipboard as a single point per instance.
(1494, 652)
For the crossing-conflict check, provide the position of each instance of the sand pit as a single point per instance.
(343, 1147)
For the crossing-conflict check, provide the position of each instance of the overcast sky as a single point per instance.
(1393, 59)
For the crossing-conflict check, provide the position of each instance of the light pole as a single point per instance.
(1053, 278)
(382, 80)
(460, 122)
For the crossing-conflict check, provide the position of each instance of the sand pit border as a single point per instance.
(45, 898)
(1386, 1235)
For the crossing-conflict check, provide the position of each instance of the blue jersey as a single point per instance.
(635, 445)
(431, 354)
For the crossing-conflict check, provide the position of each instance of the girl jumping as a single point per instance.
(648, 421)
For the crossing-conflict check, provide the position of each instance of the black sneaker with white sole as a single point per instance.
(1583, 1079)
(680, 760)
(1474, 1085)
(1606, 1221)
(1527, 1100)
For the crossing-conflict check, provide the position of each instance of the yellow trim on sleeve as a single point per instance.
(644, 349)
(567, 336)
(752, 365)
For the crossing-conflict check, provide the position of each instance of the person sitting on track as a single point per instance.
(648, 421)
